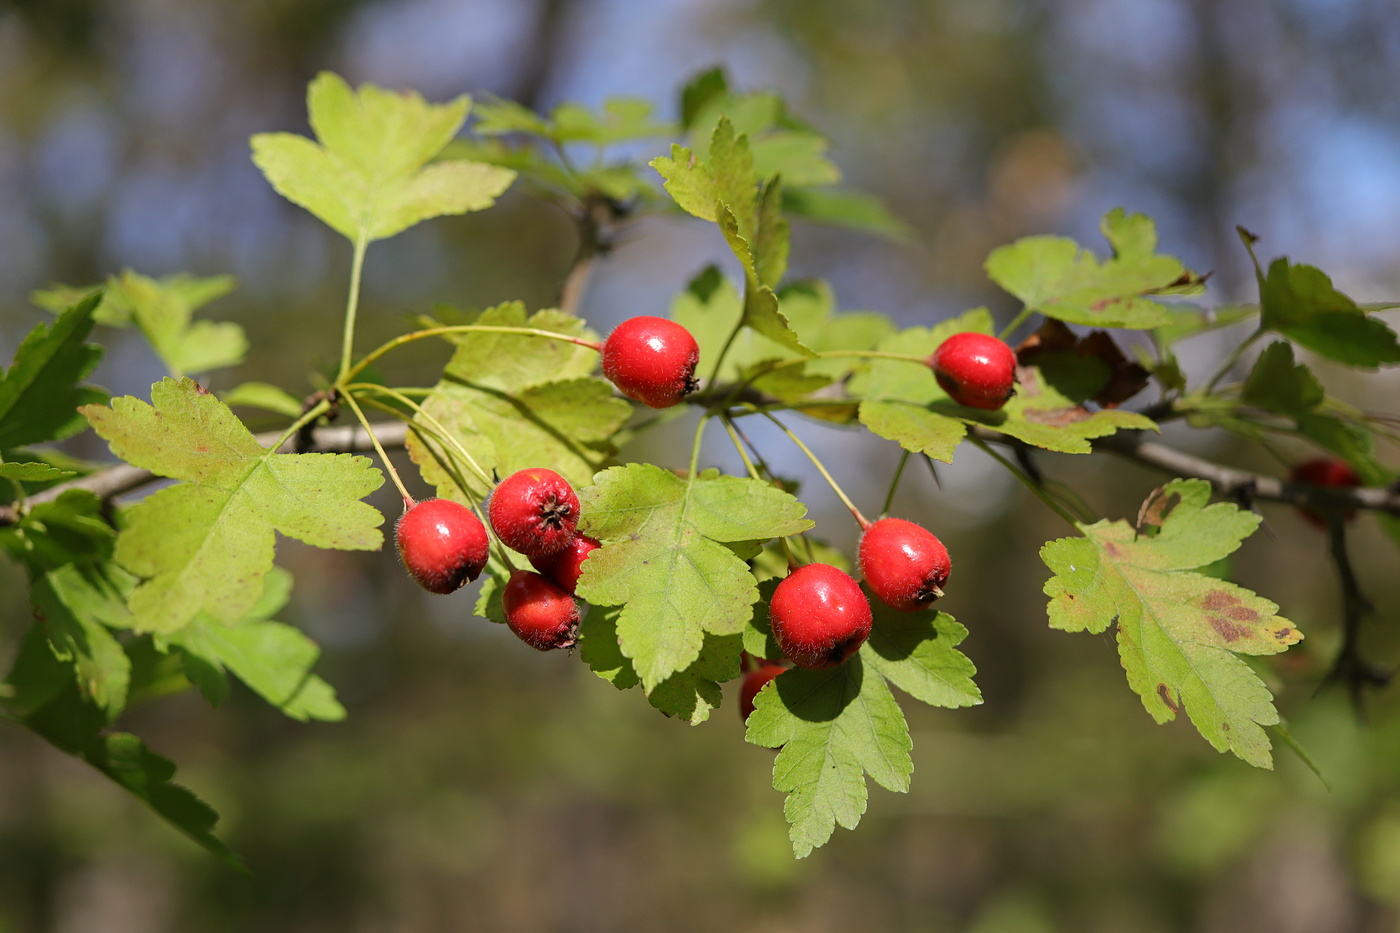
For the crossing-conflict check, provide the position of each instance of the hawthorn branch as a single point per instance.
(123, 478)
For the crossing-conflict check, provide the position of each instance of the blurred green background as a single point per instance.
(478, 785)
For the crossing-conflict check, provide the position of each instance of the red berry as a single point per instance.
(442, 544)
(976, 370)
(564, 567)
(754, 681)
(819, 616)
(903, 564)
(651, 360)
(535, 512)
(1324, 471)
(541, 614)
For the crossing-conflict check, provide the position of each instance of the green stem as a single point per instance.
(352, 307)
(393, 473)
(1016, 322)
(724, 351)
(1027, 482)
(430, 421)
(739, 446)
(894, 483)
(308, 416)
(464, 329)
(1232, 359)
(821, 468)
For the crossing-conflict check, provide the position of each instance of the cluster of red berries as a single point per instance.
(819, 614)
(535, 512)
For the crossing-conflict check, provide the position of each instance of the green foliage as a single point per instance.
(1300, 303)
(205, 544)
(41, 391)
(515, 401)
(162, 310)
(1178, 632)
(1056, 277)
(665, 561)
(179, 589)
(273, 659)
(368, 175)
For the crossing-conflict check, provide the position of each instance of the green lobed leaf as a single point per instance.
(518, 401)
(833, 727)
(266, 396)
(32, 472)
(41, 391)
(205, 544)
(272, 658)
(691, 694)
(1178, 631)
(918, 653)
(1300, 303)
(163, 310)
(1054, 276)
(600, 650)
(76, 604)
(664, 558)
(1277, 384)
(368, 175)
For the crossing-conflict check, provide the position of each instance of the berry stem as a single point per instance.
(1231, 360)
(894, 483)
(465, 329)
(308, 416)
(1016, 322)
(444, 435)
(379, 448)
(1026, 481)
(352, 306)
(821, 468)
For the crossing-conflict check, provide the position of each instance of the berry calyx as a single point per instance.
(1324, 471)
(651, 360)
(540, 614)
(754, 681)
(903, 563)
(535, 512)
(819, 616)
(442, 544)
(563, 567)
(976, 370)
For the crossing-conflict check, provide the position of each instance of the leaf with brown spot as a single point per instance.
(1179, 632)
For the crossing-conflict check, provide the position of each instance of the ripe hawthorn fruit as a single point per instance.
(540, 614)
(976, 370)
(442, 544)
(754, 681)
(651, 360)
(1324, 471)
(563, 567)
(535, 512)
(903, 563)
(819, 616)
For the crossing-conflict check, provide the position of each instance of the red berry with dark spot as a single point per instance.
(564, 567)
(819, 616)
(535, 512)
(651, 360)
(754, 681)
(903, 563)
(442, 544)
(1324, 471)
(976, 370)
(541, 614)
